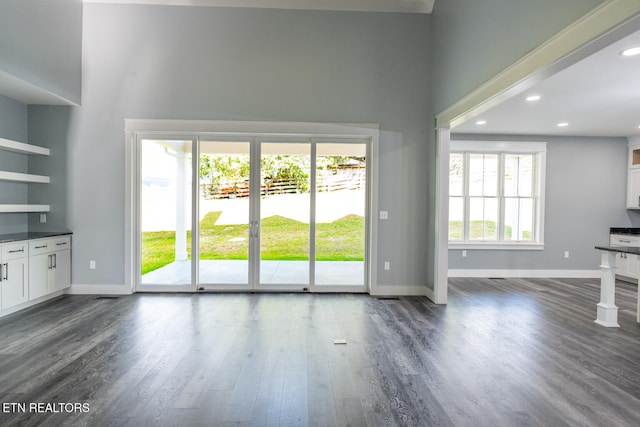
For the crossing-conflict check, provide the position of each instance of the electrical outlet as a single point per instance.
(384, 214)
(566, 254)
(92, 264)
(387, 265)
(43, 218)
(464, 253)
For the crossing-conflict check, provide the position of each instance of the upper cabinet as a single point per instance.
(22, 148)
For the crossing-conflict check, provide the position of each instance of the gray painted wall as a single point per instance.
(49, 127)
(162, 62)
(585, 195)
(40, 42)
(475, 40)
(13, 125)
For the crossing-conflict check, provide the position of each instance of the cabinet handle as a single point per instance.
(16, 251)
(49, 262)
(64, 243)
(625, 241)
(55, 261)
(40, 247)
(6, 271)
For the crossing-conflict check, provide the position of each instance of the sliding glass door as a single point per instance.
(266, 214)
(165, 188)
(285, 213)
(224, 212)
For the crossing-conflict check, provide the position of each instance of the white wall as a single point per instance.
(162, 62)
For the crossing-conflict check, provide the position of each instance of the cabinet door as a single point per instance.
(39, 275)
(632, 266)
(60, 273)
(14, 282)
(633, 189)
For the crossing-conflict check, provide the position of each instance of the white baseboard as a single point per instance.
(396, 291)
(99, 290)
(549, 274)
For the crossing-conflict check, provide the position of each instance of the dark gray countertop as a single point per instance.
(633, 231)
(622, 249)
(30, 235)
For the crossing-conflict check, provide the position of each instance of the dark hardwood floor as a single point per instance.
(510, 352)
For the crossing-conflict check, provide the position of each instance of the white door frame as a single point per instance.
(192, 129)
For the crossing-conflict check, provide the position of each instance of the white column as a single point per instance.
(607, 309)
(181, 207)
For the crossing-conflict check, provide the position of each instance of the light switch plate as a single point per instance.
(384, 214)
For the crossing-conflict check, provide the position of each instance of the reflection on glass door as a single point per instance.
(284, 213)
(165, 212)
(224, 213)
(341, 176)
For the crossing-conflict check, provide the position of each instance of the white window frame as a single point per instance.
(539, 150)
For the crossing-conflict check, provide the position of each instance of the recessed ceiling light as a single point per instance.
(563, 124)
(533, 98)
(481, 122)
(631, 51)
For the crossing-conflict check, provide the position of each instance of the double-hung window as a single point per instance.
(496, 194)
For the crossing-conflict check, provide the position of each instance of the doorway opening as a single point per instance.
(257, 212)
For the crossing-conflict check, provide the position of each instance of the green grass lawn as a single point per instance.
(491, 232)
(281, 239)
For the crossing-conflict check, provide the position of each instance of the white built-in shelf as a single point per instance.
(21, 147)
(24, 208)
(23, 177)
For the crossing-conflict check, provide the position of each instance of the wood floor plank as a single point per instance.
(503, 352)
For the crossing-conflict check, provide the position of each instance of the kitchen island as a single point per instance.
(607, 310)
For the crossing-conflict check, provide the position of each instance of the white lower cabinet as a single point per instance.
(30, 270)
(628, 265)
(49, 265)
(14, 272)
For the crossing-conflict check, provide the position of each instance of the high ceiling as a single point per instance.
(404, 6)
(597, 96)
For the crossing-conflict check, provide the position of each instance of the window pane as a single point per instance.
(510, 175)
(510, 218)
(518, 175)
(483, 218)
(456, 216)
(456, 174)
(526, 219)
(518, 219)
(483, 174)
(525, 176)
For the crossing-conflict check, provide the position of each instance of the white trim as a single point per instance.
(496, 246)
(606, 23)
(498, 146)
(251, 128)
(441, 255)
(99, 290)
(404, 6)
(403, 290)
(551, 274)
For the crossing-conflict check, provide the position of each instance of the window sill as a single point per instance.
(497, 246)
